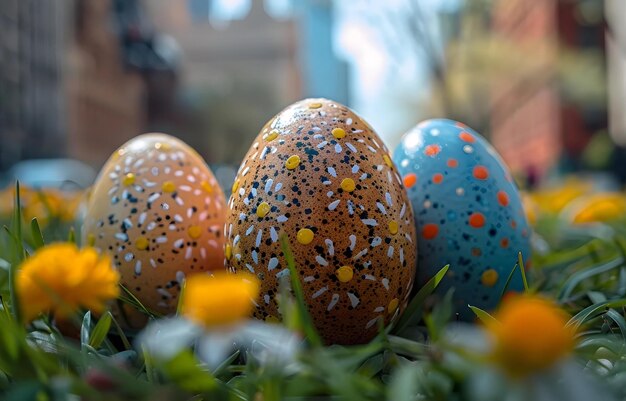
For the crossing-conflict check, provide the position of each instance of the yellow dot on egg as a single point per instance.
(292, 162)
(387, 160)
(168, 186)
(271, 136)
(235, 186)
(489, 278)
(345, 273)
(338, 133)
(393, 227)
(206, 187)
(305, 236)
(263, 209)
(194, 232)
(129, 179)
(119, 153)
(315, 105)
(393, 305)
(142, 243)
(228, 252)
(164, 147)
(91, 239)
(348, 185)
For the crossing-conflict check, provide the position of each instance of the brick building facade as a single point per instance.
(534, 124)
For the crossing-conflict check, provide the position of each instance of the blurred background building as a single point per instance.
(536, 121)
(32, 97)
(545, 80)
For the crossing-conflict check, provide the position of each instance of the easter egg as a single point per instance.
(319, 175)
(157, 209)
(468, 212)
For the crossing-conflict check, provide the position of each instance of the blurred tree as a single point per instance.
(477, 59)
(501, 56)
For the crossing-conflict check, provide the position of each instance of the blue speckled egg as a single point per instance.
(468, 212)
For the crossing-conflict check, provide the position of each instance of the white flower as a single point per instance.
(270, 344)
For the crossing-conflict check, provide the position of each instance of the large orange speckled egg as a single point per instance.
(157, 209)
(319, 173)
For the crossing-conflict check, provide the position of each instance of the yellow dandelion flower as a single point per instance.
(44, 204)
(61, 278)
(6, 202)
(530, 335)
(553, 200)
(530, 208)
(600, 207)
(72, 202)
(220, 299)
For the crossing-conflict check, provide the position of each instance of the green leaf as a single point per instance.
(440, 315)
(413, 313)
(184, 370)
(296, 286)
(36, 234)
(483, 316)
(10, 337)
(100, 331)
(403, 386)
(373, 366)
(29, 390)
(223, 367)
(593, 311)
(71, 236)
(410, 348)
(577, 278)
(151, 373)
(85, 328)
(619, 321)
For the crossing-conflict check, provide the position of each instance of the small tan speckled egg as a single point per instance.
(158, 210)
(319, 173)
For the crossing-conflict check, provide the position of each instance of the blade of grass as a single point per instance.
(482, 315)
(508, 281)
(85, 329)
(571, 283)
(71, 236)
(133, 301)
(100, 330)
(412, 313)
(120, 332)
(181, 295)
(619, 321)
(522, 269)
(151, 374)
(592, 311)
(16, 234)
(296, 285)
(38, 241)
(223, 367)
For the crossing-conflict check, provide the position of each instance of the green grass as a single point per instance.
(414, 360)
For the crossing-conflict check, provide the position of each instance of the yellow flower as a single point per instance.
(6, 202)
(601, 207)
(219, 299)
(553, 200)
(61, 278)
(530, 335)
(530, 208)
(44, 204)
